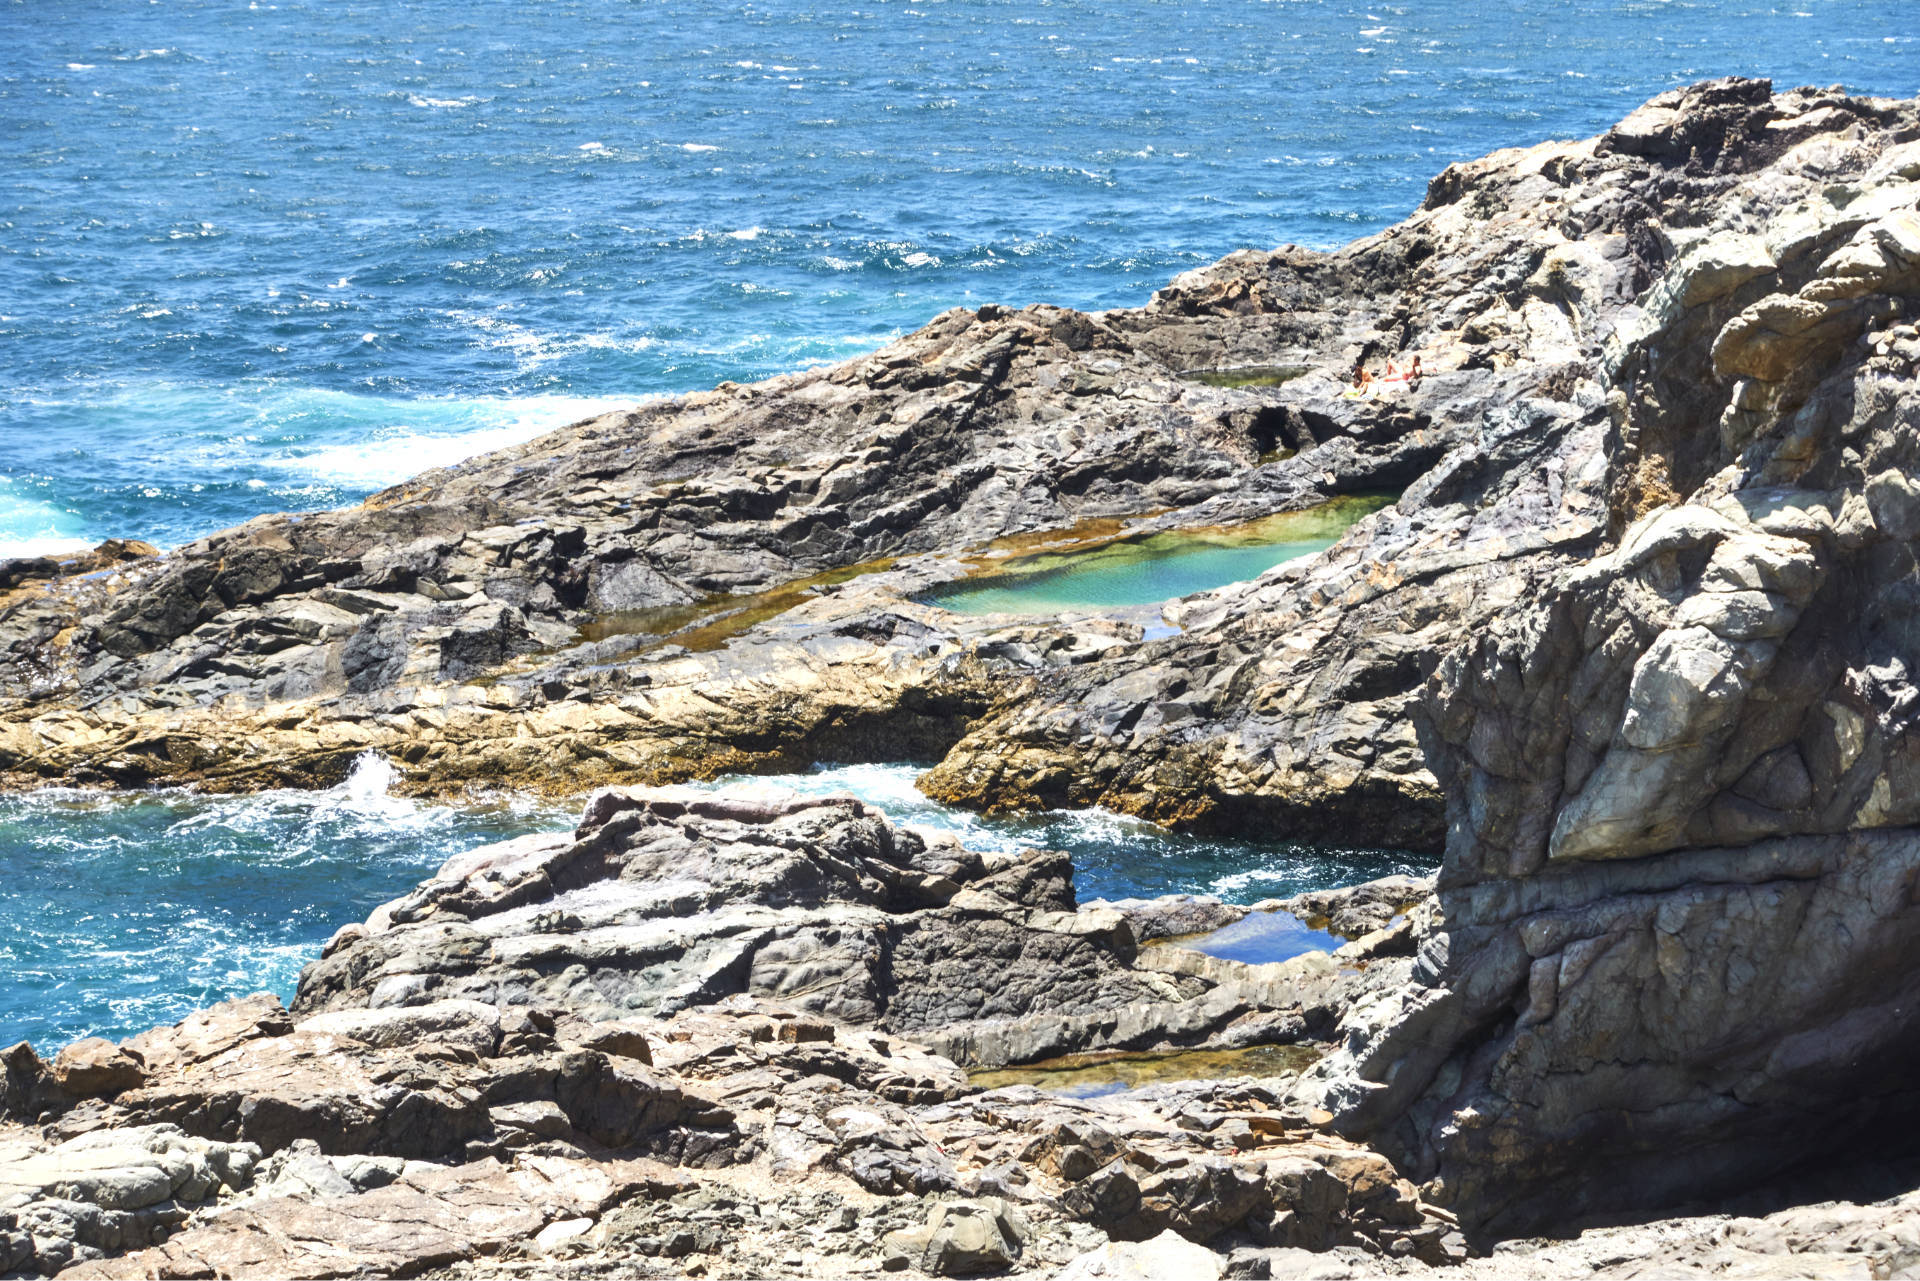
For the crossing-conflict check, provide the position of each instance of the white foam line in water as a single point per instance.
(421, 435)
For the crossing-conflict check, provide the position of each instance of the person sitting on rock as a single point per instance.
(1363, 384)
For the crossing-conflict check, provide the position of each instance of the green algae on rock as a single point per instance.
(1247, 375)
(1143, 570)
(1095, 1074)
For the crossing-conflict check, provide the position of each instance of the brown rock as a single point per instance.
(97, 1068)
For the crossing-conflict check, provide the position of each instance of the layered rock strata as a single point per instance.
(698, 1033)
(1679, 951)
(1634, 641)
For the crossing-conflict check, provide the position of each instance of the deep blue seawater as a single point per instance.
(265, 256)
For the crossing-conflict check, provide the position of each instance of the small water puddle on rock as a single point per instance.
(1247, 375)
(1124, 572)
(1092, 1076)
(1260, 938)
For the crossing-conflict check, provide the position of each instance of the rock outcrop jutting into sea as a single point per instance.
(1633, 645)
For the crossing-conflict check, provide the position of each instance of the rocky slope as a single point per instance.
(504, 620)
(515, 617)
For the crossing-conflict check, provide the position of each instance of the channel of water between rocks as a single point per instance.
(119, 912)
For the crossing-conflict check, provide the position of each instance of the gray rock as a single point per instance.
(1167, 1255)
(963, 1238)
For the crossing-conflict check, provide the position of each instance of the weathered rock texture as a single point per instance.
(1681, 949)
(442, 621)
(699, 1031)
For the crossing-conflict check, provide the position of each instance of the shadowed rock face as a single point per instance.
(1680, 951)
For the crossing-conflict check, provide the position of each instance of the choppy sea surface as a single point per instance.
(121, 912)
(270, 256)
(260, 256)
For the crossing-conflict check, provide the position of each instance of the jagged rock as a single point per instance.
(96, 1067)
(107, 1191)
(662, 902)
(468, 1025)
(430, 1218)
(960, 1239)
(433, 1079)
(1675, 954)
(1639, 621)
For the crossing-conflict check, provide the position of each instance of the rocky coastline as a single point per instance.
(1628, 656)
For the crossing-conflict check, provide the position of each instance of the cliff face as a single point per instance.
(1681, 938)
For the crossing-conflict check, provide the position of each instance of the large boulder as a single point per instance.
(1680, 950)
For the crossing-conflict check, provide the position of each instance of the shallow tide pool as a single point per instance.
(1126, 572)
(119, 912)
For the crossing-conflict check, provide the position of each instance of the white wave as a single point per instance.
(81, 66)
(697, 146)
(370, 779)
(593, 146)
(420, 100)
(29, 527)
(745, 233)
(1234, 882)
(394, 453)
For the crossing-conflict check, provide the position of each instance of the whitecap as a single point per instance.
(697, 146)
(425, 434)
(745, 233)
(593, 146)
(81, 66)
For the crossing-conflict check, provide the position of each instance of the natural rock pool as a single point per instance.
(118, 912)
(1090, 1076)
(1127, 572)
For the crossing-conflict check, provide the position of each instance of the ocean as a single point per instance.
(259, 257)
(269, 256)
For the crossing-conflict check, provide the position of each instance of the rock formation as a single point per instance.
(1680, 942)
(1632, 644)
(698, 1030)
